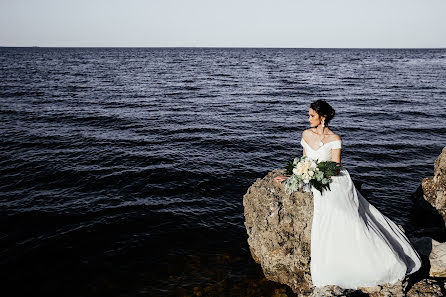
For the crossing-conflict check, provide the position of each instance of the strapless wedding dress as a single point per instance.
(352, 243)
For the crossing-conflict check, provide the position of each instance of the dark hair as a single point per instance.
(323, 109)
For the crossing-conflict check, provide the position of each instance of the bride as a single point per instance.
(352, 243)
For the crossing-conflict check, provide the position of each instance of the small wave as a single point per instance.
(351, 78)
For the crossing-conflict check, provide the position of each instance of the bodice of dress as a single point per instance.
(323, 153)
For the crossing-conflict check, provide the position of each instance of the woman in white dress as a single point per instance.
(352, 243)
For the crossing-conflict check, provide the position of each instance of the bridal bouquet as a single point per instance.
(306, 172)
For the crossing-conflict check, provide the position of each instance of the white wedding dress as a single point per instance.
(352, 243)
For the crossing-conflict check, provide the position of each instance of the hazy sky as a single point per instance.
(228, 23)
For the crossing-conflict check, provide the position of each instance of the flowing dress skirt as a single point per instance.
(352, 243)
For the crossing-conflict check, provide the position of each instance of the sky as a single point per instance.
(228, 23)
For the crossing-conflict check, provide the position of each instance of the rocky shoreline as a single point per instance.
(279, 233)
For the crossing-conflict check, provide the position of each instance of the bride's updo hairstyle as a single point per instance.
(323, 109)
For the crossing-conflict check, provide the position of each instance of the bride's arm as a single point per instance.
(336, 157)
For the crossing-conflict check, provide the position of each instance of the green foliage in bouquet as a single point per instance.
(298, 172)
(329, 169)
(289, 167)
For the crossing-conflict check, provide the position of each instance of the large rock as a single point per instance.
(427, 218)
(434, 187)
(279, 230)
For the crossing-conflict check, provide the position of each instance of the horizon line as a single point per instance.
(216, 47)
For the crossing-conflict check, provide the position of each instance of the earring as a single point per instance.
(323, 123)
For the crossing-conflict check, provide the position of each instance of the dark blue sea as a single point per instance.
(122, 170)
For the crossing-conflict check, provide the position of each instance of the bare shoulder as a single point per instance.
(310, 133)
(306, 132)
(335, 137)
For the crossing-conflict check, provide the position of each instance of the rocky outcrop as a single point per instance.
(429, 217)
(427, 288)
(434, 187)
(279, 229)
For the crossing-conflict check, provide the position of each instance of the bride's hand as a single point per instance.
(337, 171)
(280, 178)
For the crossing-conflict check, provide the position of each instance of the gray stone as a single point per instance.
(426, 288)
(330, 291)
(437, 259)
